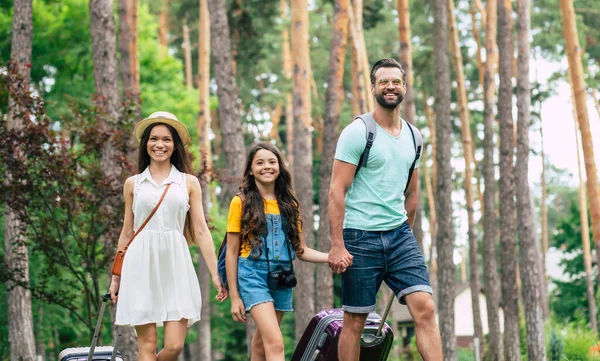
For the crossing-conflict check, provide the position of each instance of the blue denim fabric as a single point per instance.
(252, 285)
(252, 271)
(275, 242)
(391, 256)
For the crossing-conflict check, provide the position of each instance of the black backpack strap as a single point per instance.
(371, 133)
(418, 143)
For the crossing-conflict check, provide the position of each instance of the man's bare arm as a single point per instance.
(411, 195)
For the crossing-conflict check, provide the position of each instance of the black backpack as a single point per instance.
(371, 133)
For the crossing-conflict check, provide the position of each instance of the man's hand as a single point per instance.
(339, 259)
(222, 293)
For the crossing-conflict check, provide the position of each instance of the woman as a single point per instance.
(158, 285)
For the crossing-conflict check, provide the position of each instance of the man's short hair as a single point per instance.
(386, 63)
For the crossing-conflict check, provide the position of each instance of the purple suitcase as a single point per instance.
(320, 339)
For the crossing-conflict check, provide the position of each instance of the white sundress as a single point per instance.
(158, 279)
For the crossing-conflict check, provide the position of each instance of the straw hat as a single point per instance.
(161, 117)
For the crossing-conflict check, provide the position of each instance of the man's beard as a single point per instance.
(388, 105)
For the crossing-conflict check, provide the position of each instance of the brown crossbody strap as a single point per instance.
(150, 216)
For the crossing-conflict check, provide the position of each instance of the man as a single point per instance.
(370, 216)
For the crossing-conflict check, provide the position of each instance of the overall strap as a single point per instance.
(150, 216)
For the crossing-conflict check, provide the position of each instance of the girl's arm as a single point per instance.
(311, 255)
(238, 312)
(126, 232)
(202, 234)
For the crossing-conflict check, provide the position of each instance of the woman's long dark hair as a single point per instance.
(254, 221)
(179, 159)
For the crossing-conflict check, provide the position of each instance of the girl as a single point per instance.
(158, 284)
(259, 240)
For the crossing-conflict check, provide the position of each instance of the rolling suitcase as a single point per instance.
(101, 353)
(320, 339)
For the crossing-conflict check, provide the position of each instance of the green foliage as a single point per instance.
(577, 343)
(555, 346)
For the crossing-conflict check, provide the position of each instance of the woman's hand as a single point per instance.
(115, 284)
(238, 313)
(222, 293)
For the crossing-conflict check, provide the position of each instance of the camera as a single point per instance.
(281, 277)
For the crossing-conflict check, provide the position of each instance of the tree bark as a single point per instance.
(104, 52)
(128, 42)
(444, 186)
(20, 322)
(187, 54)
(334, 97)
(405, 56)
(528, 251)
(477, 38)
(465, 125)
(576, 72)
(430, 187)
(585, 238)
(204, 118)
(491, 284)
(287, 73)
(163, 28)
(510, 296)
(228, 93)
(362, 51)
(302, 175)
(359, 92)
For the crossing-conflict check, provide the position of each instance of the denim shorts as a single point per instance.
(252, 285)
(391, 256)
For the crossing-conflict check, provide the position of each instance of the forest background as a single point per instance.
(236, 72)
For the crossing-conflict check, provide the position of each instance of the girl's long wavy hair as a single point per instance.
(179, 159)
(254, 221)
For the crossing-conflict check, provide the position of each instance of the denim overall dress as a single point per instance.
(252, 271)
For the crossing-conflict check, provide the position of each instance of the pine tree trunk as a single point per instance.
(575, 69)
(477, 38)
(359, 94)
(528, 251)
(465, 126)
(445, 230)
(287, 73)
(510, 296)
(104, 52)
(585, 238)
(430, 187)
(334, 97)
(302, 175)
(491, 283)
(128, 42)
(204, 118)
(405, 56)
(187, 54)
(229, 113)
(362, 51)
(20, 323)
(163, 28)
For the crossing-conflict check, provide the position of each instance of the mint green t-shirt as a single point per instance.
(375, 201)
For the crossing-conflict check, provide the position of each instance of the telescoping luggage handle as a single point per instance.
(105, 299)
(385, 314)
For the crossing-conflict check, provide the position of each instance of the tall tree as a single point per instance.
(445, 230)
(227, 91)
(128, 44)
(490, 272)
(187, 54)
(465, 126)
(163, 28)
(203, 124)
(16, 258)
(359, 86)
(528, 250)
(334, 97)
(510, 297)
(287, 74)
(302, 173)
(405, 56)
(576, 72)
(104, 53)
(585, 237)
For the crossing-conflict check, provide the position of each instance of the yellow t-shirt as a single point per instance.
(234, 220)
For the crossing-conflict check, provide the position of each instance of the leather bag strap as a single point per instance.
(150, 216)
